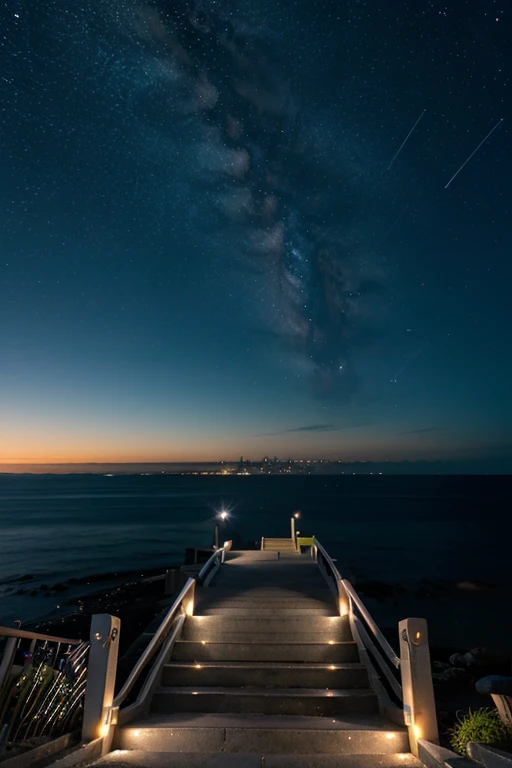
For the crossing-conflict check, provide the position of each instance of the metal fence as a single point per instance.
(42, 687)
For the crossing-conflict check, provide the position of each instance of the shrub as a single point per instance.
(483, 726)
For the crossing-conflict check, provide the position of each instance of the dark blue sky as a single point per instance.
(210, 246)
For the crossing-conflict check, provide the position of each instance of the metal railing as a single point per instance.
(404, 682)
(42, 686)
(162, 642)
(213, 563)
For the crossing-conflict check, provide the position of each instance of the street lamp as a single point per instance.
(294, 517)
(221, 515)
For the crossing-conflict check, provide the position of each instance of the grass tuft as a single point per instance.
(484, 726)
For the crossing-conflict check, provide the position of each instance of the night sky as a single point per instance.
(231, 227)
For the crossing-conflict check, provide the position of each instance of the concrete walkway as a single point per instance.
(266, 668)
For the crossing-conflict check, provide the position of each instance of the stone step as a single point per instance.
(140, 759)
(196, 733)
(270, 582)
(312, 702)
(242, 592)
(256, 612)
(257, 638)
(284, 546)
(276, 595)
(290, 604)
(277, 675)
(276, 629)
(318, 653)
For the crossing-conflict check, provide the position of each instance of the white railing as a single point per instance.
(162, 640)
(413, 690)
(212, 565)
(103, 711)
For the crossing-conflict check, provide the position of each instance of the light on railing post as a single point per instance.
(101, 676)
(417, 687)
(188, 602)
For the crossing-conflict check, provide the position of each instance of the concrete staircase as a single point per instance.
(285, 546)
(264, 669)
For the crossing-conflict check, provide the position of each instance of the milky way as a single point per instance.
(249, 158)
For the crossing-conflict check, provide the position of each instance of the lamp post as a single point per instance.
(293, 518)
(222, 515)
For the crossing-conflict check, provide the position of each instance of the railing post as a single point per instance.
(344, 604)
(417, 687)
(7, 659)
(101, 676)
(189, 600)
(292, 525)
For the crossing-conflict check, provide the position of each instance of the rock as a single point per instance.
(26, 577)
(486, 658)
(452, 678)
(475, 586)
(58, 588)
(440, 666)
(482, 659)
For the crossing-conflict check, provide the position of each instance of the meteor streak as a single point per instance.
(473, 153)
(404, 142)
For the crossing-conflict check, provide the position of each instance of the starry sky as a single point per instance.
(238, 227)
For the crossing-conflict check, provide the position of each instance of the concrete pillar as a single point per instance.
(417, 686)
(292, 524)
(101, 675)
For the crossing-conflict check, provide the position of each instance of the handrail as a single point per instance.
(160, 635)
(354, 597)
(330, 563)
(151, 649)
(347, 593)
(25, 635)
(213, 560)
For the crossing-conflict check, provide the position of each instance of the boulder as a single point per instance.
(481, 659)
(452, 678)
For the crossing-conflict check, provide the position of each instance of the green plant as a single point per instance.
(483, 726)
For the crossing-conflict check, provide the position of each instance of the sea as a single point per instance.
(431, 546)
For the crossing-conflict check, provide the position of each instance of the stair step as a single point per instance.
(253, 629)
(195, 650)
(233, 612)
(140, 759)
(210, 733)
(312, 702)
(277, 675)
